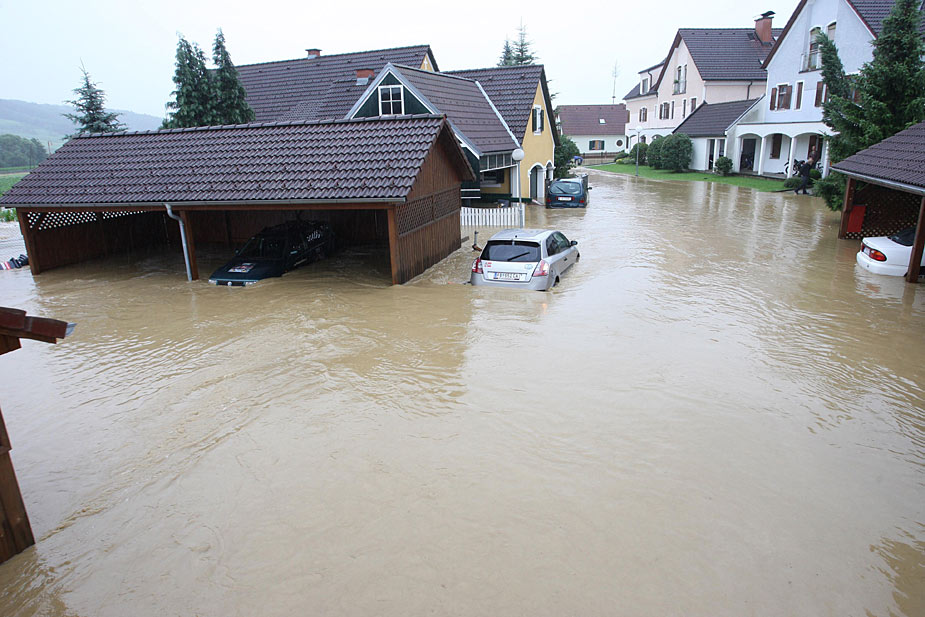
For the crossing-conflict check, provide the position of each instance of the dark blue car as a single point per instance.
(275, 251)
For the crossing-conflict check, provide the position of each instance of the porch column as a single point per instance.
(790, 157)
(825, 158)
(716, 150)
(764, 141)
(736, 155)
(918, 245)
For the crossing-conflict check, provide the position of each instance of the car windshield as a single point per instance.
(904, 237)
(565, 188)
(511, 250)
(265, 247)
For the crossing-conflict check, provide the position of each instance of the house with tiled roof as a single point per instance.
(521, 96)
(640, 101)
(713, 65)
(320, 87)
(599, 131)
(787, 125)
(707, 126)
(481, 130)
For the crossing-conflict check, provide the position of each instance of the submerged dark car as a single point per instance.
(275, 251)
(568, 192)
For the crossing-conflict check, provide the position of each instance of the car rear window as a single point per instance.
(267, 247)
(904, 237)
(511, 250)
(565, 188)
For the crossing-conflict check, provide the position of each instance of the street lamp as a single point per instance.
(638, 128)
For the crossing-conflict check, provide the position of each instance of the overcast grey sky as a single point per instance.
(128, 47)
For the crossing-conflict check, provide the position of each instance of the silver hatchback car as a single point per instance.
(525, 259)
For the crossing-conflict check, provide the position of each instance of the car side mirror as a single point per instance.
(590, 187)
(574, 243)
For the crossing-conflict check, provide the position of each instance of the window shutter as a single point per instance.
(539, 112)
(788, 94)
(799, 102)
(533, 121)
(773, 99)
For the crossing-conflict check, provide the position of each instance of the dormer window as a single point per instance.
(391, 101)
(812, 60)
(603, 121)
(645, 85)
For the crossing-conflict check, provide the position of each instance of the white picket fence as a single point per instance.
(509, 216)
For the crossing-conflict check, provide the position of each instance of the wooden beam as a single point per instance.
(918, 245)
(846, 208)
(23, 217)
(15, 530)
(190, 245)
(393, 245)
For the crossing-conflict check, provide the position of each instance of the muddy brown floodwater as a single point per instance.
(716, 413)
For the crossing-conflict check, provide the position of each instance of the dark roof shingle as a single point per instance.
(375, 159)
(712, 120)
(586, 119)
(465, 106)
(727, 53)
(318, 87)
(899, 159)
(512, 90)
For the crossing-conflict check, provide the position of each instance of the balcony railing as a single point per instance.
(680, 87)
(811, 61)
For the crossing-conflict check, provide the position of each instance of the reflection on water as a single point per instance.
(714, 413)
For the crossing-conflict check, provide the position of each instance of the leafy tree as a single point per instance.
(566, 151)
(676, 151)
(230, 106)
(507, 54)
(90, 105)
(193, 98)
(16, 151)
(887, 96)
(522, 54)
(642, 149)
(654, 153)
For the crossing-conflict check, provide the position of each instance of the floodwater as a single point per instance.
(716, 413)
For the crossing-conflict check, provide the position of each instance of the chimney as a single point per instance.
(313, 53)
(763, 27)
(363, 76)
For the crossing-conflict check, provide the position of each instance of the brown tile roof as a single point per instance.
(317, 85)
(586, 119)
(899, 159)
(358, 160)
(512, 90)
(712, 120)
(465, 106)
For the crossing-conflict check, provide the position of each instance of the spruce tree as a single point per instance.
(522, 52)
(193, 98)
(507, 54)
(230, 106)
(90, 104)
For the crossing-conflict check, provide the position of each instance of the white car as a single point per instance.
(525, 259)
(888, 255)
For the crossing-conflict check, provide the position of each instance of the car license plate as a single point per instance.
(507, 276)
(565, 199)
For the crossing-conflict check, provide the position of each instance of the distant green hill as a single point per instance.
(47, 124)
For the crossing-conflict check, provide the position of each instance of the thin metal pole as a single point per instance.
(637, 154)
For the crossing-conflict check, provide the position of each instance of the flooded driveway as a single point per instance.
(716, 413)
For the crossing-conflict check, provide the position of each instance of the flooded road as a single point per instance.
(715, 413)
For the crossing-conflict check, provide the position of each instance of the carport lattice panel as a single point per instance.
(888, 211)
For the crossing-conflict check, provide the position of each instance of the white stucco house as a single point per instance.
(599, 131)
(703, 65)
(787, 123)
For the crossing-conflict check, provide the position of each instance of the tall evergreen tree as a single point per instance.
(193, 98)
(90, 105)
(507, 54)
(887, 96)
(522, 52)
(230, 106)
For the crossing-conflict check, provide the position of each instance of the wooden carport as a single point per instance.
(886, 191)
(395, 178)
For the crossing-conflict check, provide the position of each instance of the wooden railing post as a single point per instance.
(918, 246)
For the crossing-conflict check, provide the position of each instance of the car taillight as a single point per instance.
(874, 254)
(542, 268)
(477, 266)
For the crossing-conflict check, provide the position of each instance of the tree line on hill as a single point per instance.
(16, 151)
(203, 96)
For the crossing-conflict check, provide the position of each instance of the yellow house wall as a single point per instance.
(426, 66)
(538, 149)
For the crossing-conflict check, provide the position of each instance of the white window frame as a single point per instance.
(538, 120)
(401, 99)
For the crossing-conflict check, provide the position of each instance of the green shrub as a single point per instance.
(676, 152)
(7, 216)
(641, 148)
(792, 182)
(723, 165)
(654, 153)
(620, 155)
(815, 174)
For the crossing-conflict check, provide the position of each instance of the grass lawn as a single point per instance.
(8, 180)
(752, 182)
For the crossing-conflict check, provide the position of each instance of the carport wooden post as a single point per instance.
(918, 246)
(191, 247)
(23, 217)
(846, 208)
(393, 243)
